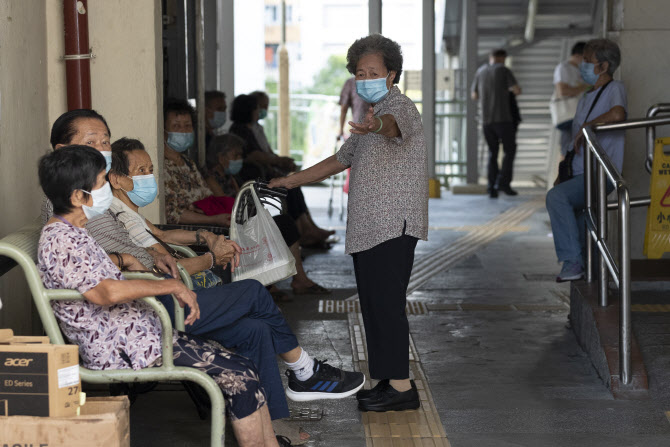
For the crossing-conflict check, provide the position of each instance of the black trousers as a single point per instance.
(495, 133)
(382, 276)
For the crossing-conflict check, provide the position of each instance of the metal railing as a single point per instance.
(596, 221)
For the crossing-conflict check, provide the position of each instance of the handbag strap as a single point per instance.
(593, 104)
(174, 253)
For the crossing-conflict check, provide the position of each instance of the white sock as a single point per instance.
(304, 367)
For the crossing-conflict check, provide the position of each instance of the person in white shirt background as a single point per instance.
(568, 82)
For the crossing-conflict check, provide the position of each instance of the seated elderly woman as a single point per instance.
(604, 103)
(184, 184)
(134, 186)
(114, 330)
(239, 315)
(224, 157)
(245, 113)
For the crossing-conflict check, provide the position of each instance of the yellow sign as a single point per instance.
(657, 237)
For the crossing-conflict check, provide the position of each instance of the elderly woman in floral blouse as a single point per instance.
(387, 215)
(184, 184)
(113, 328)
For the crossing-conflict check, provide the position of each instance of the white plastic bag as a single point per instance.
(265, 256)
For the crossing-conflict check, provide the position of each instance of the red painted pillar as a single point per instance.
(77, 61)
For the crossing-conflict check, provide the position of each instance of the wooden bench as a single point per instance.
(21, 247)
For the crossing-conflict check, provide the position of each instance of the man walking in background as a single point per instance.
(492, 85)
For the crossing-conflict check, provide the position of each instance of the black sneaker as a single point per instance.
(327, 382)
(369, 394)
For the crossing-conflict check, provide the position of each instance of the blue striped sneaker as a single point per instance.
(327, 382)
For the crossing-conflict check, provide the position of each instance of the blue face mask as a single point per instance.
(179, 141)
(218, 120)
(108, 159)
(102, 199)
(588, 75)
(144, 190)
(262, 114)
(234, 166)
(372, 90)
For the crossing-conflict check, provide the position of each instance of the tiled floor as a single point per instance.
(497, 364)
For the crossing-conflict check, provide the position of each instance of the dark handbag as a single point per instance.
(565, 166)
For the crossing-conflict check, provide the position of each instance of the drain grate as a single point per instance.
(353, 306)
(305, 414)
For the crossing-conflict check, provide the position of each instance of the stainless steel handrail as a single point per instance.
(596, 224)
(596, 230)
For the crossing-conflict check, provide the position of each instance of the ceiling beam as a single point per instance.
(540, 33)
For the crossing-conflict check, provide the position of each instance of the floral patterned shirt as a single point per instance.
(108, 336)
(183, 186)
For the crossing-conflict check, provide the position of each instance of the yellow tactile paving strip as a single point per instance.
(421, 427)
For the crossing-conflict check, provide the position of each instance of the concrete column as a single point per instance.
(200, 80)
(375, 16)
(469, 58)
(428, 92)
(226, 39)
(212, 61)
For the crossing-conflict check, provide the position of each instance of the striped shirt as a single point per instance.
(109, 233)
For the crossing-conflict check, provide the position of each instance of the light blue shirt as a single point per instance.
(611, 141)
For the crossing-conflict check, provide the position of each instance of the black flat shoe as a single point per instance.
(389, 399)
(493, 193)
(509, 191)
(373, 392)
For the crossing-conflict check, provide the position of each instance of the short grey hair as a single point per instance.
(605, 50)
(376, 44)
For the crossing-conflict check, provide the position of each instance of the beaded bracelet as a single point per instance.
(213, 258)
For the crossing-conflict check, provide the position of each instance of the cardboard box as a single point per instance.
(104, 422)
(37, 378)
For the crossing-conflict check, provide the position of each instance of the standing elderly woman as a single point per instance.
(604, 103)
(387, 215)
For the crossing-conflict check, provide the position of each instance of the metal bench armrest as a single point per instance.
(166, 325)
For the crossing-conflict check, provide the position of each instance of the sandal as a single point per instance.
(278, 296)
(290, 432)
(314, 289)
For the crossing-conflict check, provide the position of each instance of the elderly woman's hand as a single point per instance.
(369, 124)
(226, 251)
(186, 297)
(280, 182)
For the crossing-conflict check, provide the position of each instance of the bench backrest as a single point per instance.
(21, 246)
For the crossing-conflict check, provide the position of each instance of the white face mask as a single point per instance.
(102, 199)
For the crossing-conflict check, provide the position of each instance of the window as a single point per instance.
(271, 14)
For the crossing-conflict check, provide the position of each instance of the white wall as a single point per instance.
(643, 32)
(24, 137)
(126, 83)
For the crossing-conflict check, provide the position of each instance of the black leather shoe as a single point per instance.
(509, 191)
(493, 193)
(389, 399)
(373, 392)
